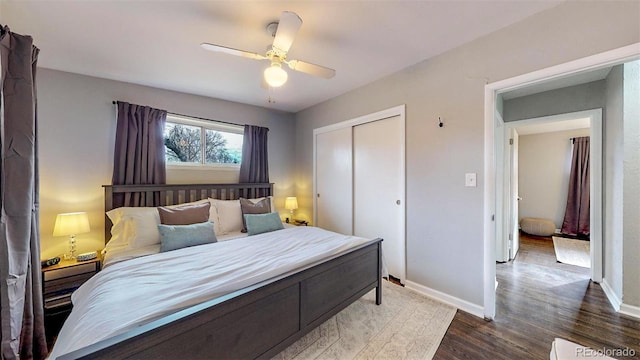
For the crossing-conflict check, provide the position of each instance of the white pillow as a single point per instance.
(139, 225)
(230, 214)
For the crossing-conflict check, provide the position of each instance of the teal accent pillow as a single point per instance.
(173, 237)
(262, 223)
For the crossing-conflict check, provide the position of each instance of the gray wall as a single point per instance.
(631, 193)
(77, 132)
(613, 174)
(544, 165)
(560, 101)
(444, 218)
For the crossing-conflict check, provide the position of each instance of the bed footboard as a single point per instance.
(255, 322)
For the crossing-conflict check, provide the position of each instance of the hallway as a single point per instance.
(538, 300)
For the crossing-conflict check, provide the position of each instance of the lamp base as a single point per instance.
(72, 248)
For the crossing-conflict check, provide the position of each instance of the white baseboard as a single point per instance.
(630, 310)
(463, 305)
(611, 295)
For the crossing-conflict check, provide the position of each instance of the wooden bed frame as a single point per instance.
(255, 322)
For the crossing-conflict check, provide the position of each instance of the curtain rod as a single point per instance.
(195, 117)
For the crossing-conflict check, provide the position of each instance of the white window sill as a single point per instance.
(207, 167)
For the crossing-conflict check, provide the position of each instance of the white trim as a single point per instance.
(473, 309)
(200, 166)
(630, 310)
(380, 115)
(596, 186)
(611, 295)
(607, 58)
(207, 124)
(489, 206)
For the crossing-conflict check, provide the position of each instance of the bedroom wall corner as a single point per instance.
(77, 132)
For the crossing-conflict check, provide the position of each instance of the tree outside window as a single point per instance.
(184, 144)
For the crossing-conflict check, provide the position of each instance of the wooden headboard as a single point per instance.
(174, 194)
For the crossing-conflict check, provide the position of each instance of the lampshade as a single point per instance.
(274, 75)
(291, 203)
(71, 224)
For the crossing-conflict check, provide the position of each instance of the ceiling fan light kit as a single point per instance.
(283, 32)
(275, 75)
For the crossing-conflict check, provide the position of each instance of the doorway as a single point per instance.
(610, 58)
(507, 181)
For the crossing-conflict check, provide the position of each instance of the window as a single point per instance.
(200, 142)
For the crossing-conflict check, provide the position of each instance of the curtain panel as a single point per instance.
(21, 303)
(139, 152)
(576, 216)
(255, 158)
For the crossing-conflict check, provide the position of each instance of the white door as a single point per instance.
(514, 231)
(334, 169)
(379, 190)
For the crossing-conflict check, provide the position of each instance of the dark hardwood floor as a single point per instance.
(538, 300)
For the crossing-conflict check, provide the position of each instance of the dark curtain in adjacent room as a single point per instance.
(255, 160)
(139, 152)
(576, 216)
(21, 304)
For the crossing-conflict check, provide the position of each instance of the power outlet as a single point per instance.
(470, 179)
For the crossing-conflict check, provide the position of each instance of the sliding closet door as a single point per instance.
(334, 181)
(379, 191)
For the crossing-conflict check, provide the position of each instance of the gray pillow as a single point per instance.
(249, 207)
(184, 215)
(262, 223)
(173, 237)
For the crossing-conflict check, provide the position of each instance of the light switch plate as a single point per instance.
(470, 179)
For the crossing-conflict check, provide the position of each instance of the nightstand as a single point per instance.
(58, 283)
(299, 222)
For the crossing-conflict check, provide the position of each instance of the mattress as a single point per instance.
(133, 292)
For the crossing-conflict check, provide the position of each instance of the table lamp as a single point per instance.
(71, 224)
(291, 203)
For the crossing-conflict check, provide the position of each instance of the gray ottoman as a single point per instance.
(537, 226)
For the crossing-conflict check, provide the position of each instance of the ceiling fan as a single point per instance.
(284, 32)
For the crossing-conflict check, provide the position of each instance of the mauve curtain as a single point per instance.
(576, 216)
(22, 313)
(139, 152)
(255, 160)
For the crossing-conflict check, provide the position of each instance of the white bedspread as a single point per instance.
(134, 292)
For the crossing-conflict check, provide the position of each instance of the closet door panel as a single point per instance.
(334, 181)
(378, 183)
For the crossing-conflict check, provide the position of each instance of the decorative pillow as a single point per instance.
(249, 207)
(262, 223)
(173, 237)
(142, 224)
(184, 215)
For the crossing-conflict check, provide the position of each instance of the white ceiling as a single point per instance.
(156, 43)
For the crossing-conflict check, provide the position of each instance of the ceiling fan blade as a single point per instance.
(312, 69)
(231, 51)
(288, 27)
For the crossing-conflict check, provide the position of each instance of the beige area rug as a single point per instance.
(572, 252)
(406, 325)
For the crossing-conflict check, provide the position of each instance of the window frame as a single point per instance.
(204, 125)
